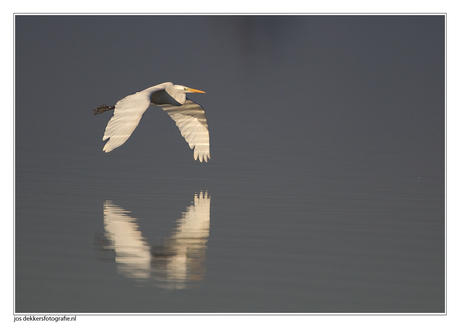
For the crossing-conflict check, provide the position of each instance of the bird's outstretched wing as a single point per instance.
(131, 249)
(127, 114)
(191, 120)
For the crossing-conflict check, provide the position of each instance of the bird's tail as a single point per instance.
(102, 108)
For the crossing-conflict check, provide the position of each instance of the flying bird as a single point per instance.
(190, 117)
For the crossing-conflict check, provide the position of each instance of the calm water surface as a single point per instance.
(324, 192)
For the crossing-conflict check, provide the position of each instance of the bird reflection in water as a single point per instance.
(178, 260)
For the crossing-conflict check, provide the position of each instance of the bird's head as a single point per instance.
(178, 92)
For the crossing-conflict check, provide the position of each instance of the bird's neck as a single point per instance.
(163, 97)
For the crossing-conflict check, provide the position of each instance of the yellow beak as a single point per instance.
(195, 90)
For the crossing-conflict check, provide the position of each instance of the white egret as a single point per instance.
(189, 116)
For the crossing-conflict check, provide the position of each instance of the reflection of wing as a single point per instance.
(132, 252)
(126, 116)
(194, 224)
(191, 120)
(181, 258)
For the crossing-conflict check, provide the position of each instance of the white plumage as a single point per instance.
(188, 115)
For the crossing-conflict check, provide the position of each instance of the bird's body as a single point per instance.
(189, 116)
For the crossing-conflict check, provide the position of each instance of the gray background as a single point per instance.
(326, 171)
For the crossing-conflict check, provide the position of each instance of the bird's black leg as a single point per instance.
(102, 108)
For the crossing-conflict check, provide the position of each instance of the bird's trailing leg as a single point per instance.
(102, 108)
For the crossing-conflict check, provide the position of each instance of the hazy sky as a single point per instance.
(269, 80)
